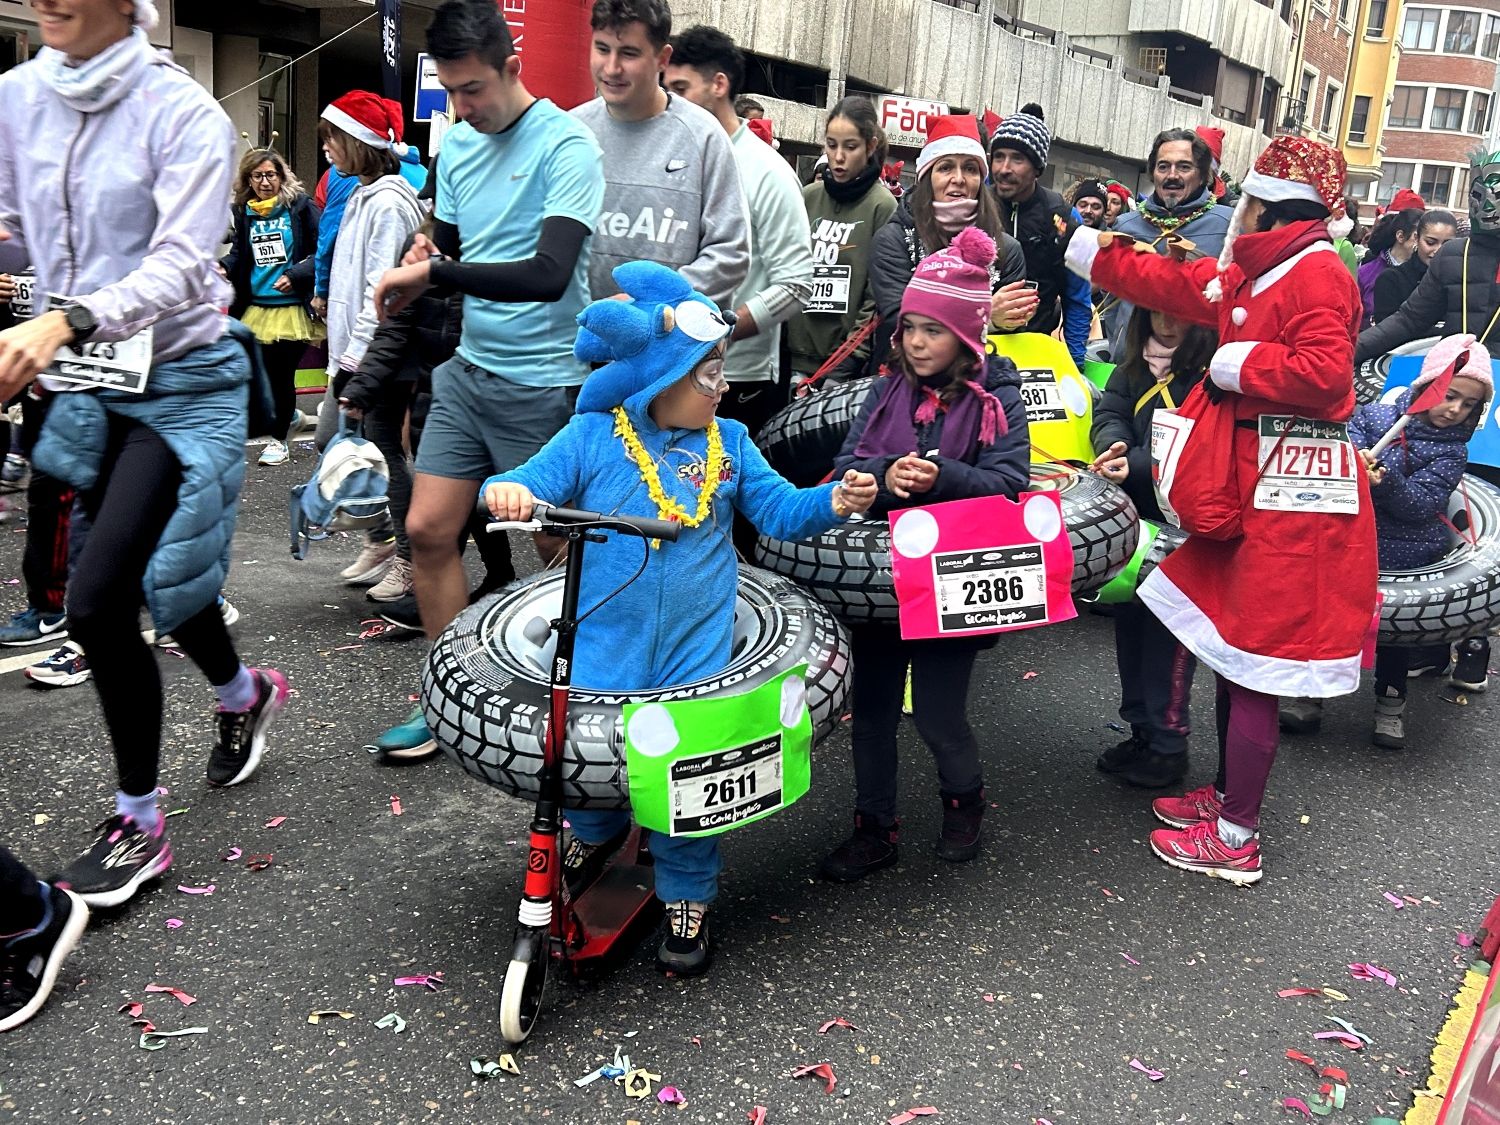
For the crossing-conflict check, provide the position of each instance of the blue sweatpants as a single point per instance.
(687, 867)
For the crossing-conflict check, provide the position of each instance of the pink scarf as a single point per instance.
(952, 216)
(1158, 358)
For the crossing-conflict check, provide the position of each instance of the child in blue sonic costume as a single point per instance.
(645, 442)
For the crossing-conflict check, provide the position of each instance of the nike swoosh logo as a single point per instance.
(676, 165)
(45, 628)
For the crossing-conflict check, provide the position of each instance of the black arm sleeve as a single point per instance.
(542, 277)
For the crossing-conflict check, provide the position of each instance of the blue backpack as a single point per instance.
(348, 491)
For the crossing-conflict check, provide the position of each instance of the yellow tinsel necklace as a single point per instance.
(666, 507)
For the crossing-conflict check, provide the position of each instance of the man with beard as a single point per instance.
(1090, 200)
(1029, 212)
(1181, 207)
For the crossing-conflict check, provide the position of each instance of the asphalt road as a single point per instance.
(1016, 988)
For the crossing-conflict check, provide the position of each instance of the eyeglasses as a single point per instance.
(267, 176)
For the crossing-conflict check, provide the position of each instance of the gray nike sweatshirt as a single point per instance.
(671, 195)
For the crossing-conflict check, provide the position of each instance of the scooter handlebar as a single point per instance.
(648, 528)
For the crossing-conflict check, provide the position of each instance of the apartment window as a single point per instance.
(1394, 175)
(1153, 60)
(1419, 29)
(1333, 98)
(1479, 114)
(1375, 19)
(1437, 182)
(1491, 47)
(1344, 12)
(1407, 104)
(1305, 96)
(1359, 120)
(1447, 108)
(1463, 33)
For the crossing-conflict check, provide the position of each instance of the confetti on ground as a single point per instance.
(486, 1068)
(1365, 970)
(40, 819)
(782, 918)
(432, 981)
(208, 890)
(1351, 1029)
(175, 812)
(912, 1114)
(1129, 958)
(1298, 1056)
(1298, 1104)
(276, 822)
(1394, 900)
(231, 855)
(670, 1095)
(131, 1008)
(1306, 819)
(820, 1070)
(395, 805)
(1326, 993)
(174, 923)
(155, 1040)
(989, 997)
(837, 1021)
(1154, 1075)
(392, 1020)
(314, 1017)
(757, 1115)
(180, 996)
(1353, 1042)
(1029, 675)
(260, 862)
(1465, 940)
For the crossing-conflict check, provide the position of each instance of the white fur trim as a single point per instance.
(1224, 368)
(1281, 269)
(335, 116)
(145, 15)
(1082, 249)
(1340, 227)
(1272, 190)
(948, 146)
(1271, 675)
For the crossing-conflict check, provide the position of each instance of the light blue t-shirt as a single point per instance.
(497, 189)
(272, 249)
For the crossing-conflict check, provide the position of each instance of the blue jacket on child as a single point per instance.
(675, 623)
(1423, 467)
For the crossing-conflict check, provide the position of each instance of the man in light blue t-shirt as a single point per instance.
(520, 186)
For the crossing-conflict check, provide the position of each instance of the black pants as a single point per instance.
(281, 360)
(383, 425)
(940, 673)
(21, 906)
(129, 507)
(753, 404)
(1156, 678)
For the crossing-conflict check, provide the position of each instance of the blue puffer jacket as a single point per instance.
(197, 403)
(1423, 467)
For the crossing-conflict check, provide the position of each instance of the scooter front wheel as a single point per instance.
(525, 983)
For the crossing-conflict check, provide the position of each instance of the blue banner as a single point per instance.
(1484, 446)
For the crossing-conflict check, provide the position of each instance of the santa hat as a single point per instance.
(953, 287)
(1464, 351)
(950, 135)
(1214, 138)
(1289, 168)
(1406, 199)
(1115, 187)
(369, 118)
(145, 15)
(1027, 133)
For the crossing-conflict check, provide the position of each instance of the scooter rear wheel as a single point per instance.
(525, 983)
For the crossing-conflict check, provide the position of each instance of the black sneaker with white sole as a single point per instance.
(685, 950)
(242, 734)
(29, 964)
(122, 857)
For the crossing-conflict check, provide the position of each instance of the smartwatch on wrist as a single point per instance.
(81, 322)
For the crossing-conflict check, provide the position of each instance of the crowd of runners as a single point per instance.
(603, 306)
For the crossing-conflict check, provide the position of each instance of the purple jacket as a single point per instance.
(1368, 272)
(123, 206)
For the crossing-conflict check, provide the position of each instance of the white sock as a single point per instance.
(1235, 835)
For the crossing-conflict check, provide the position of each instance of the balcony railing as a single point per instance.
(1091, 56)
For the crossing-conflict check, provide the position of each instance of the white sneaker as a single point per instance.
(275, 453)
(395, 585)
(371, 565)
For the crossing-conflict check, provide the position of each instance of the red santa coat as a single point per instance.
(1285, 608)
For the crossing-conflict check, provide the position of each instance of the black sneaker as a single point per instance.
(1471, 669)
(963, 813)
(28, 965)
(1122, 754)
(871, 848)
(402, 613)
(242, 734)
(1154, 771)
(583, 863)
(685, 949)
(122, 857)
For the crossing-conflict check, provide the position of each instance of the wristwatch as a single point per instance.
(81, 321)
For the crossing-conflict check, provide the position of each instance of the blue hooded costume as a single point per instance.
(675, 622)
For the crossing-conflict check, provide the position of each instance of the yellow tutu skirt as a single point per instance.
(274, 323)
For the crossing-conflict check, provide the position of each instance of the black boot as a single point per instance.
(963, 814)
(1122, 754)
(1154, 771)
(872, 847)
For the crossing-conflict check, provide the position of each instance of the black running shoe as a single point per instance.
(242, 734)
(122, 857)
(402, 613)
(583, 863)
(685, 950)
(28, 965)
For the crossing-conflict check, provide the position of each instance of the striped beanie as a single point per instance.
(1027, 133)
(953, 287)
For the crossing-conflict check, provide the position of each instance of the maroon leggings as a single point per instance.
(1248, 734)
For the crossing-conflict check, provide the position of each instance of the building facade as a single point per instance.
(1372, 81)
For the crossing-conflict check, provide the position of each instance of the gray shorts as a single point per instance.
(481, 423)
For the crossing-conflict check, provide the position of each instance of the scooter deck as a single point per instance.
(617, 902)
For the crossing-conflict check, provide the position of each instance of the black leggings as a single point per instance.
(21, 906)
(281, 366)
(129, 506)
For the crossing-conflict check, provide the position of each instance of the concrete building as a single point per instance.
(1442, 105)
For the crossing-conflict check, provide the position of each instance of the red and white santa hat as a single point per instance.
(1289, 168)
(369, 118)
(950, 135)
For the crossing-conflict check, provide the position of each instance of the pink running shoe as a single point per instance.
(1189, 809)
(1199, 849)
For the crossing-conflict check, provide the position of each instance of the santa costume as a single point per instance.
(1281, 609)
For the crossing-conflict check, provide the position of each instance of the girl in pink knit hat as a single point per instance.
(945, 423)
